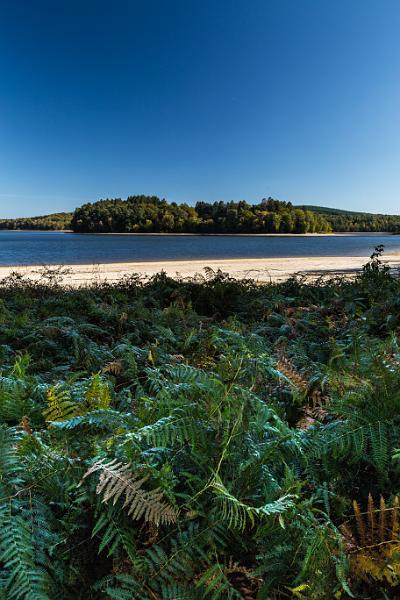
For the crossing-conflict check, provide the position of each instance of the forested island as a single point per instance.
(150, 214)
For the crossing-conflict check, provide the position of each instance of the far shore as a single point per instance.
(259, 269)
(332, 233)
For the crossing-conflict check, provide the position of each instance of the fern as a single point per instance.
(98, 394)
(15, 399)
(214, 584)
(116, 481)
(115, 533)
(104, 419)
(23, 557)
(189, 391)
(10, 464)
(59, 405)
(240, 515)
(181, 557)
(119, 587)
(180, 427)
(345, 439)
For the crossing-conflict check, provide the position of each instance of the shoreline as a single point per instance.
(259, 269)
(332, 233)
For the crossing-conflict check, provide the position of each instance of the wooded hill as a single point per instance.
(56, 221)
(346, 220)
(150, 214)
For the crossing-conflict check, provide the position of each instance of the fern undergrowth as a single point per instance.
(200, 439)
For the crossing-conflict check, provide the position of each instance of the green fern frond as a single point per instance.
(239, 515)
(215, 585)
(21, 364)
(182, 556)
(59, 405)
(10, 462)
(122, 586)
(98, 394)
(115, 534)
(373, 441)
(26, 574)
(15, 399)
(180, 427)
(105, 419)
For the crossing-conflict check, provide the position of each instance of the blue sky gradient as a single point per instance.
(199, 100)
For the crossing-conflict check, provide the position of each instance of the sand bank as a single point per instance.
(261, 269)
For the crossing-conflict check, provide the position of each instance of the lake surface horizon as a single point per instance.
(56, 247)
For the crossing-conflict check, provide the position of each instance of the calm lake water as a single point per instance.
(34, 247)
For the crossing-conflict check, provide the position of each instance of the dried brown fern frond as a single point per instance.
(243, 579)
(117, 481)
(382, 519)
(395, 518)
(318, 413)
(305, 422)
(350, 542)
(114, 367)
(218, 577)
(311, 416)
(235, 567)
(286, 367)
(177, 358)
(360, 523)
(377, 525)
(153, 533)
(373, 543)
(371, 518)
(25, 425)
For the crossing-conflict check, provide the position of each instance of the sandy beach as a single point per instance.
(266, 269)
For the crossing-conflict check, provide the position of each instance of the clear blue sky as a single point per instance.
(199, 100)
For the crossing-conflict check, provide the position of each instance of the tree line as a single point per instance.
(343, 220)
(54, 222)
(150, 214)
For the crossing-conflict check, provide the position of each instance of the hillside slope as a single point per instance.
(347, 220)
(53, 222)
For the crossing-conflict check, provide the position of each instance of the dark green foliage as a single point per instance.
(346, 220)
(148, 214)
(184, 439)
(54, 222)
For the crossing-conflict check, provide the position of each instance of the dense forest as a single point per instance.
(149, 214)
(200, 439)
(56, 221)
(345, 220)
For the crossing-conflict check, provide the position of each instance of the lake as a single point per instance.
(36, 247)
